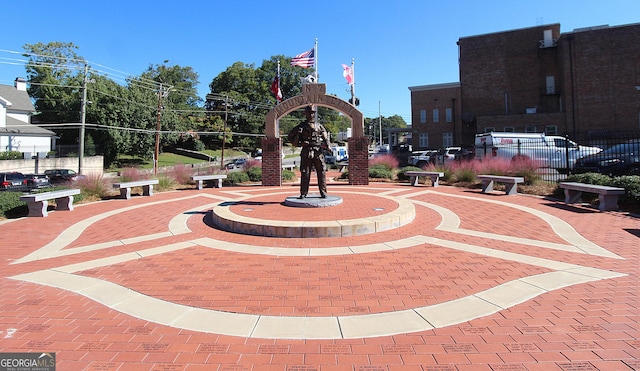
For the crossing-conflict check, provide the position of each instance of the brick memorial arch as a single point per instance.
(314, 94)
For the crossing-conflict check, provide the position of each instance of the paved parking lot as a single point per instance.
(475, 282)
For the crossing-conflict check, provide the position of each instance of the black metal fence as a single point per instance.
(609, 153)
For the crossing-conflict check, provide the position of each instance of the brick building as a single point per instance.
(584, 83)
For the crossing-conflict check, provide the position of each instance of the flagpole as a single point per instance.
(353, 81)
(315, 53)
(278, 77)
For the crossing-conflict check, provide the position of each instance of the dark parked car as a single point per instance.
(57, 176)
(237, 163)
(621, 159)
(13, 181)
(37, 181)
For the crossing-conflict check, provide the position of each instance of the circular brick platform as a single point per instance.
(302, 223)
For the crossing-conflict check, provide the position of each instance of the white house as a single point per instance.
(16, 131)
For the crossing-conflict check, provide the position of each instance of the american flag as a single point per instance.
(304, 60)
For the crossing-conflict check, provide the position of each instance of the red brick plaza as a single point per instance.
(474, 282)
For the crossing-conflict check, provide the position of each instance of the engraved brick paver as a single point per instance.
(585, 326)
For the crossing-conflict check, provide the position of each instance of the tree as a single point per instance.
(247, 90)
(372, 125)
(126, 114)
(108, 108)
(180, 100)
(55, 73)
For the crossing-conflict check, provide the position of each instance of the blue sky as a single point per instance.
(409, 43)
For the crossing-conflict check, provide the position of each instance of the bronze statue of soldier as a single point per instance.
(314, 140)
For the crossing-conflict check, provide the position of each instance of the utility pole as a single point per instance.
(380, 123)
(83, 118)
(224, 133)
(161, 94)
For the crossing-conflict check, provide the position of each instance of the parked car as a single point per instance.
(37, 181)
(237, 163)
(421, 158)
(465, 154)
(550, 151)
(621, 159)
(57, 176)
(13, 181)
(446, 155)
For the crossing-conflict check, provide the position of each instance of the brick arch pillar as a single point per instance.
(314, 94)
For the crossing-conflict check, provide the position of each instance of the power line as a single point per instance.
(121, 77)
(77, 125)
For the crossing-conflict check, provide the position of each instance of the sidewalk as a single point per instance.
(474, 282)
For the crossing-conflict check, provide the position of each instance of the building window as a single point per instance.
(449, 114)
(530, 129)
(551, 85)
(489, 130)
(424, 140)
(423, 116)
(509, 129)
(436, 115)
(447, 139)
(551, 130)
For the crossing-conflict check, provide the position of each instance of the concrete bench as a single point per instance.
(342, 167)
(288, 167)
(608, 196)
(510, 183)
(38, 202)
(216, 178)
(125, 188)
(433, 175)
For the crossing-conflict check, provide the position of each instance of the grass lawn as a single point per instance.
(171, 159)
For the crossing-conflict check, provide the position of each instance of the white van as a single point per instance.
(547, 150)
(338, 154)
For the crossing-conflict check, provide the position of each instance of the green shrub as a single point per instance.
(590, 178)
(237, 177)
(380, 171)
(165, 182)
(631, 183)
(10, 204)
(254, 173)
(288, 175)
(464, 175)
(11, 155)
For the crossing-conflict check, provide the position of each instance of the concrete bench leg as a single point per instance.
(571, 196)
(147, 190)
(608, 202)
(414, 180)
(434, 180)
(511, 188)
(219, 182)
(64, 203)
(38, 208)
(125, 193)
(487, 186)
(199, 185)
